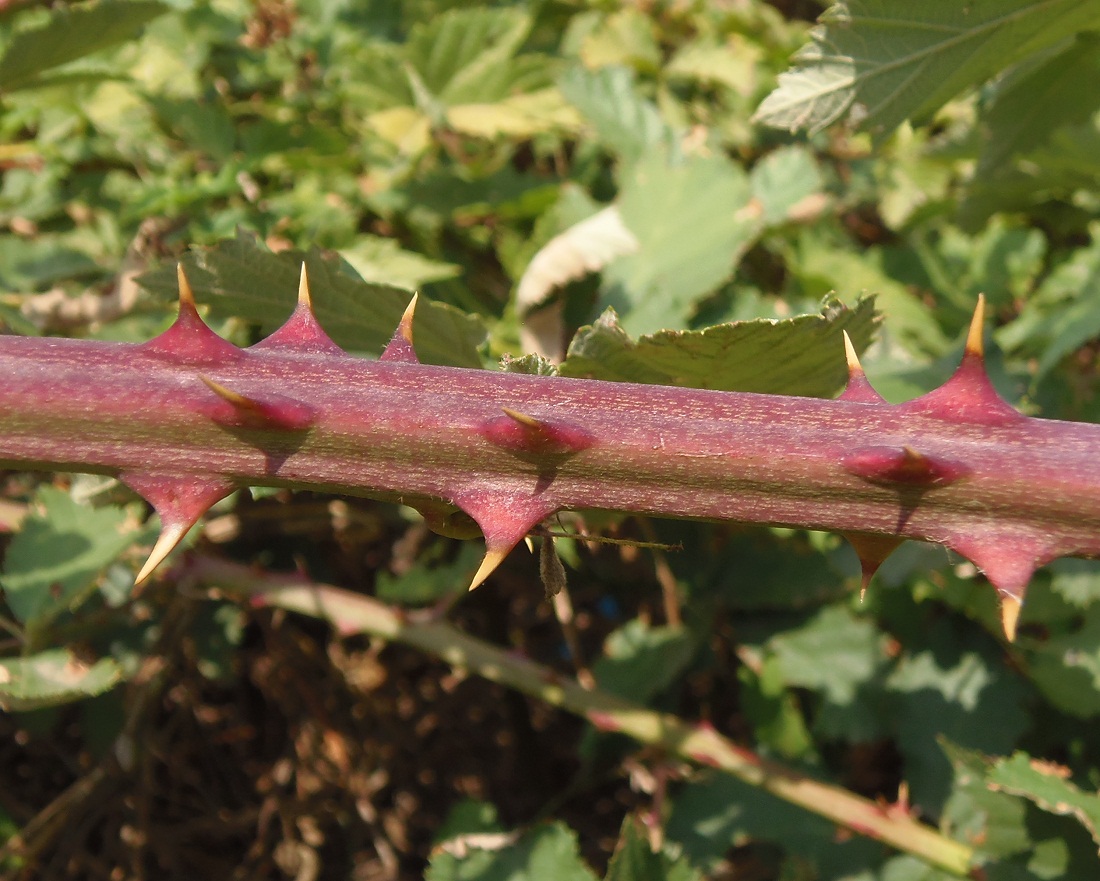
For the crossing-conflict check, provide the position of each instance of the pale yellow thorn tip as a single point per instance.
(493, 558)
(304, 298)
(187, 296)
(974, 344)
(850, 355)
(862, 594)
(1010, 615)
(405, 325)
(166, 543)
(234, 398)
(522, 418)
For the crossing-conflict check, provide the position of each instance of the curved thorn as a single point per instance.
(1010, 614)
(170, 536)
(234, 398)
(400, 347)
(522, 418)
(493, 558)
(186, 295)
(974, 343)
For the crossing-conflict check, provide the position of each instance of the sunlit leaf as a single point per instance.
(53, 677)
(883, 62)
(797, 356)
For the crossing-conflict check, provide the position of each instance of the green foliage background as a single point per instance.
(680, 170)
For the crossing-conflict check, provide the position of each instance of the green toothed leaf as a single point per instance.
(798, 356)
(54, 560)
(53, 677)
(240, 277)
(882, 62)
(71, 32)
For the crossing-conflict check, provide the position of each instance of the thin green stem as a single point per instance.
(353, 613)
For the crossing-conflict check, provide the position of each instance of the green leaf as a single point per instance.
(1048, 786)
(72, 32)
(54, 560)
(784, 182)
(431, 578)
(640, 661)
(1025, 839)
(978, 813)
(834, 653)
(1067, 667)
(795, 356)
(693, 221)
(384, 262)
(241, 278)
(545, 852)
(633, 859)
(821, 267)
(53, 677)
(466, 55)
(954, 690)
(886, 61)
(716, 812)
(1032, 103)
(1077, 581)
(627, 124)
(773, 709)
(469, 817)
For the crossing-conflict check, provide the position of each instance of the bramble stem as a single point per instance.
(352, 613)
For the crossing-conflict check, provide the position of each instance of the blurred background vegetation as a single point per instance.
(528, 166)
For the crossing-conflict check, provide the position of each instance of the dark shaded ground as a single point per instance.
(311, 757)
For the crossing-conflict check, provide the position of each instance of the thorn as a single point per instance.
(524, 434)
(1011, 607)
(189, 340)
(1008, 560)
(400, 346)
(872, 550)
(234, 398)
(505, 517)
(968, 396)
(247, 412)
(522, 418)
(302, 332)
(186, 295)
(859, 388)
(169, 537)
(904, 466)
(975, 346)
(179, 500)
(305, 300)
(850, 354)
(493, 558)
